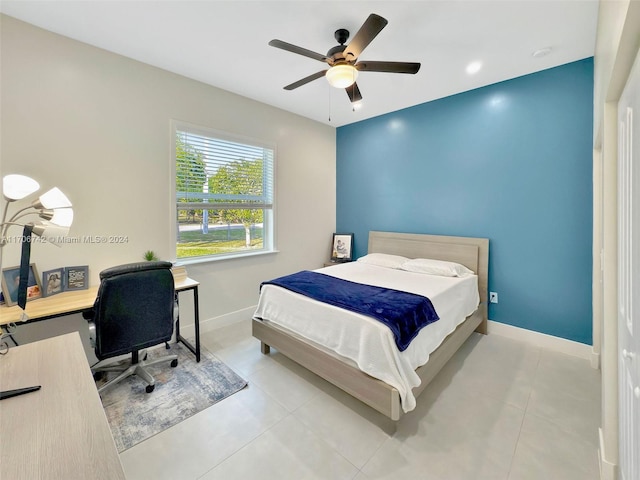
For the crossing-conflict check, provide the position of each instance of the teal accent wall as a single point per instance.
(511, 162)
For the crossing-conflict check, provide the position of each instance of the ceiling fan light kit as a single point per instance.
(343, 60)
(342, 76)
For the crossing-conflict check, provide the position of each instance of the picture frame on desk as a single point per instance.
(76, 278)
(342, 247)
(52, 282)
(11, 280)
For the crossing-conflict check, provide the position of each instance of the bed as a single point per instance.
(343, 369)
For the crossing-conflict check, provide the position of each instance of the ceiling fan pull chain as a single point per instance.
(353, 89)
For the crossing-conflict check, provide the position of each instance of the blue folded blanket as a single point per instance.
(404, 313)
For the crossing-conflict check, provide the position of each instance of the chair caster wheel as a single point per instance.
(98, 376)
(174, 363)
(150, 388)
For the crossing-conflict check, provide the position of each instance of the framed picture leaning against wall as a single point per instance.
(52, 281)
(76, 278)
(11, 281)
(342, 247)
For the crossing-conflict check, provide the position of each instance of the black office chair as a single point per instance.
(134, 310)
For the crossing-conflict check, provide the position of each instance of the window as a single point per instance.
(224, 194)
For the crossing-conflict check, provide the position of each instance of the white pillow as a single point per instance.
(436, 267)
(383, 260)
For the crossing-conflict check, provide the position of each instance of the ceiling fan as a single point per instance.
(343, 60)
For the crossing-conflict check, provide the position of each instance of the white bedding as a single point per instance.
(364, 340)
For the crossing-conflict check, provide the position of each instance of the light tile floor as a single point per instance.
(499, 410)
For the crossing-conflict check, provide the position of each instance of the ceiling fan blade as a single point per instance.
(354, 93)
(391, 67)
(372, 26)
(305, 80)
(299, 50)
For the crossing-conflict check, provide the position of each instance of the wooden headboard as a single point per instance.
(471, 252)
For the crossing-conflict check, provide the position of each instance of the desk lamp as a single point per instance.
(55, 213)
(54, 208)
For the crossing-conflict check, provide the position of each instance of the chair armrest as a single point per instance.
(92, 334)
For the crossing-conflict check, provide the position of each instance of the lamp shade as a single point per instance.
(63, 217)
(50, 232)
(16, 187)
(342, 76)
(54, 198)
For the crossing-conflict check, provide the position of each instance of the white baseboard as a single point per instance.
(543, 340)
(608, 470)
(595, 360)
(218, 322)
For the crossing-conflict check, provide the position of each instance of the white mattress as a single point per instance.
(364, 340)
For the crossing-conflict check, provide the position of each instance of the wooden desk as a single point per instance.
(68, 303)
(65, 303)
(61, 430)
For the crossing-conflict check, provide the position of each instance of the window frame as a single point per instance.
(269, 214)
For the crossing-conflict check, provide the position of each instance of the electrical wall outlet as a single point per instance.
(493, 297)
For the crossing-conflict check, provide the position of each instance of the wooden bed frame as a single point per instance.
(470, 252)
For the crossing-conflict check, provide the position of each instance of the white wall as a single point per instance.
(97, 125)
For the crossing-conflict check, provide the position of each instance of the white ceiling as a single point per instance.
(224, 43)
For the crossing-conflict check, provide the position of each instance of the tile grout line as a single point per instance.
(313, 432)
(524, 415)
(255, 385)
(243, 446)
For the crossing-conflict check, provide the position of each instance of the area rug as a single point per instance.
(180, 392)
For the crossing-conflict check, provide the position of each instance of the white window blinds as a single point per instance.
(222, 174)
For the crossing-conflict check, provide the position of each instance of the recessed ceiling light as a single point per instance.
(542, 52)
(474, 67)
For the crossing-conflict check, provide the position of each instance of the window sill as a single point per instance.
(219, 258)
